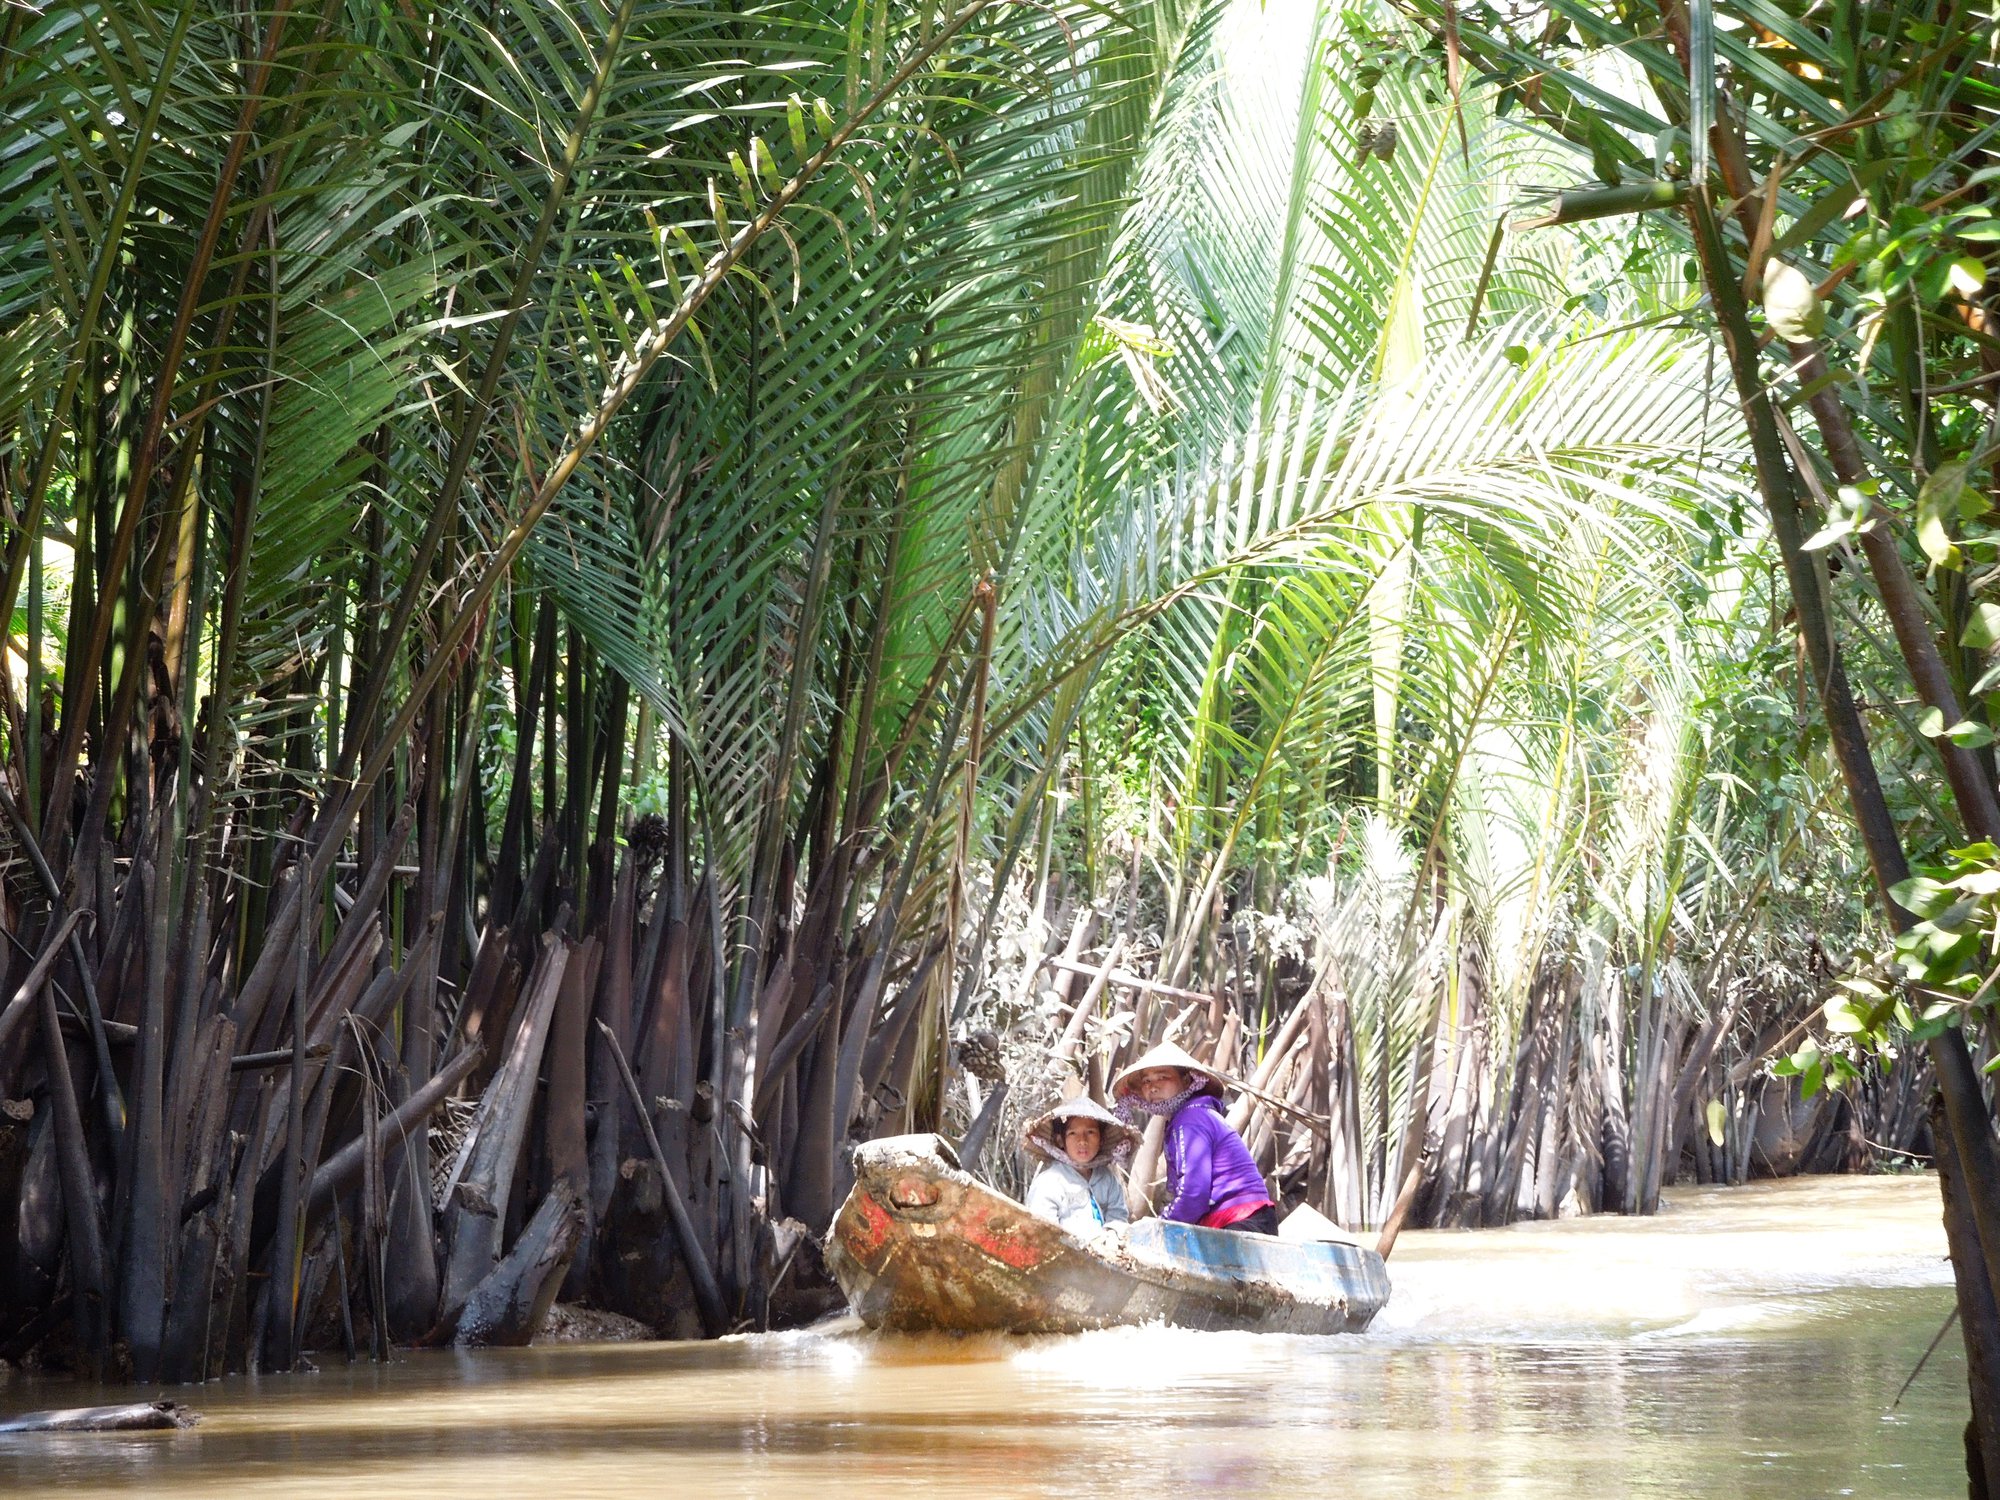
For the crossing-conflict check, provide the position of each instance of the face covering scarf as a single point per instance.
(1131, 1107)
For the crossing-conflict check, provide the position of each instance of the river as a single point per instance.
(1746, 1342)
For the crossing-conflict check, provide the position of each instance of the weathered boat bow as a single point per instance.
(920, 1244)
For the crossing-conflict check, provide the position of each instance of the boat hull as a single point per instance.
(919, 1244)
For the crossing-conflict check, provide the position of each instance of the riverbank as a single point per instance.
(1747, 1341)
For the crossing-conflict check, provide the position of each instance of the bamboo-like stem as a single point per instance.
(1971, 789)
(756, 939)
(1774, 482)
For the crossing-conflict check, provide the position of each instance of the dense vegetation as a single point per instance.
(1837, 170)
(658, 590)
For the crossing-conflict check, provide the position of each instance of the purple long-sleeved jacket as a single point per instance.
(1207, 1165)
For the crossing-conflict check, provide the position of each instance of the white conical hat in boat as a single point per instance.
(1167, 1055)
(1118, 1139)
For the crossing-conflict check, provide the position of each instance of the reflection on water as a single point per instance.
(1746, 1342)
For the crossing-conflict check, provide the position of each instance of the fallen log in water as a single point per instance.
(475, 1212)
(509, 1305)
(137, 1416)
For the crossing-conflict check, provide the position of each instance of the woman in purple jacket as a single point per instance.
(1211, 1174)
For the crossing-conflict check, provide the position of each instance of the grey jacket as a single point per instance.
(1081, 1203)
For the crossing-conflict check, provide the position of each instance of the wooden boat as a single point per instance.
(919, 1244)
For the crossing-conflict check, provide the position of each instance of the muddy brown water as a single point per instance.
(1746, 1342)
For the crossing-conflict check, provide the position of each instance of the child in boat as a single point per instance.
(1078, 1140)
(1211, 1175)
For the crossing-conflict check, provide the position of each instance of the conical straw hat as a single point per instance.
(1039, 1135)
(1167, 1055)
